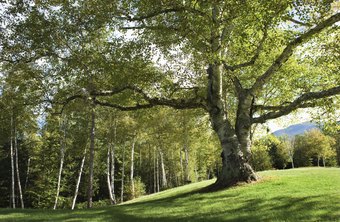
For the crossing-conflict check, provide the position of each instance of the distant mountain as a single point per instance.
(296, 129)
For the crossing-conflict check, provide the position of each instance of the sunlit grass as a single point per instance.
(306, 194)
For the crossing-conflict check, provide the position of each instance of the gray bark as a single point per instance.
(108, 176)
(28, 171)
(157, 172)
(12, 167)
(186, 163)
(17, 168)
(78, 181)
(62, 156)
(154, 171)
(132, 167)
(123, 175)
(181, 163)
(91, 165)
(164, 180)
(113, 147)
(235, 141)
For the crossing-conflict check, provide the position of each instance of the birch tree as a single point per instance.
(244, 62)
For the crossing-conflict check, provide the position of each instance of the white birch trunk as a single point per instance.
(132, 167)
(164, 180)
(91, 165)
(28, 171)
(17, 168)
(12, 167)
(62, 155)
(108, 176)
(123, 175)
(78, 181)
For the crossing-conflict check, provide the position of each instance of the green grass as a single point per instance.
(306, 194)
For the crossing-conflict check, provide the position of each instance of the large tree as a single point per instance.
(243, 62)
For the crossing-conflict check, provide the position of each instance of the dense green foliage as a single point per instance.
(313, 148)
(92, 82)
(306, 194)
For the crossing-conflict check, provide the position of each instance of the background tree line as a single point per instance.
(313, 148)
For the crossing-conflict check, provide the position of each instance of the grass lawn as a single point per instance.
(305, 194)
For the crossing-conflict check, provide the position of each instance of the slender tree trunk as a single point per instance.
(292, 161)
(62, 156)
(164, 180)
(150, 169)
(140, 158)
(78, 181)
(186, 163)
(181, 163)
(318, 161)
(154, 171)
(132, 167)
(92, 137)
(12, 166)
(113, 147)
(17, 167)
(28, 171)
(108, 176)
(324, 161)
(157, 172)
(123, 175)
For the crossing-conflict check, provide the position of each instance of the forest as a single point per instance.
(108, 100)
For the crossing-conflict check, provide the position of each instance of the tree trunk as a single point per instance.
(235, 140)
(27, 172)
(292, 162)
(186, 163)
(181, 163)
(157, 173)
(318, 161)
(154, 171)
(235, 166)
(78, 181)
(109, 186)
(132, 167)
(123, 175)
(92, 137)
(324, 161)
(164, 180)
(17, 168)
(12, 167)
(62, 156)
(113, 147)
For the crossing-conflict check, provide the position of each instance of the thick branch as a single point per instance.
(191, 103)
(299, 22)
(287, 52)
(304, 101)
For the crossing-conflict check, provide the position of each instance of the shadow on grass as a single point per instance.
(198, 205)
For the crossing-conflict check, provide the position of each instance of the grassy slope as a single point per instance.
(306, 194)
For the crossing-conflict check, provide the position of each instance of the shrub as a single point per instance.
(139, 189)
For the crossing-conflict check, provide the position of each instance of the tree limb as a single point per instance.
(299, 22)
(288, 51)
(304, 101)
(190, 103)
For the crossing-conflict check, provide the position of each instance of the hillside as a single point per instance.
(296, 129)
(305, 194)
